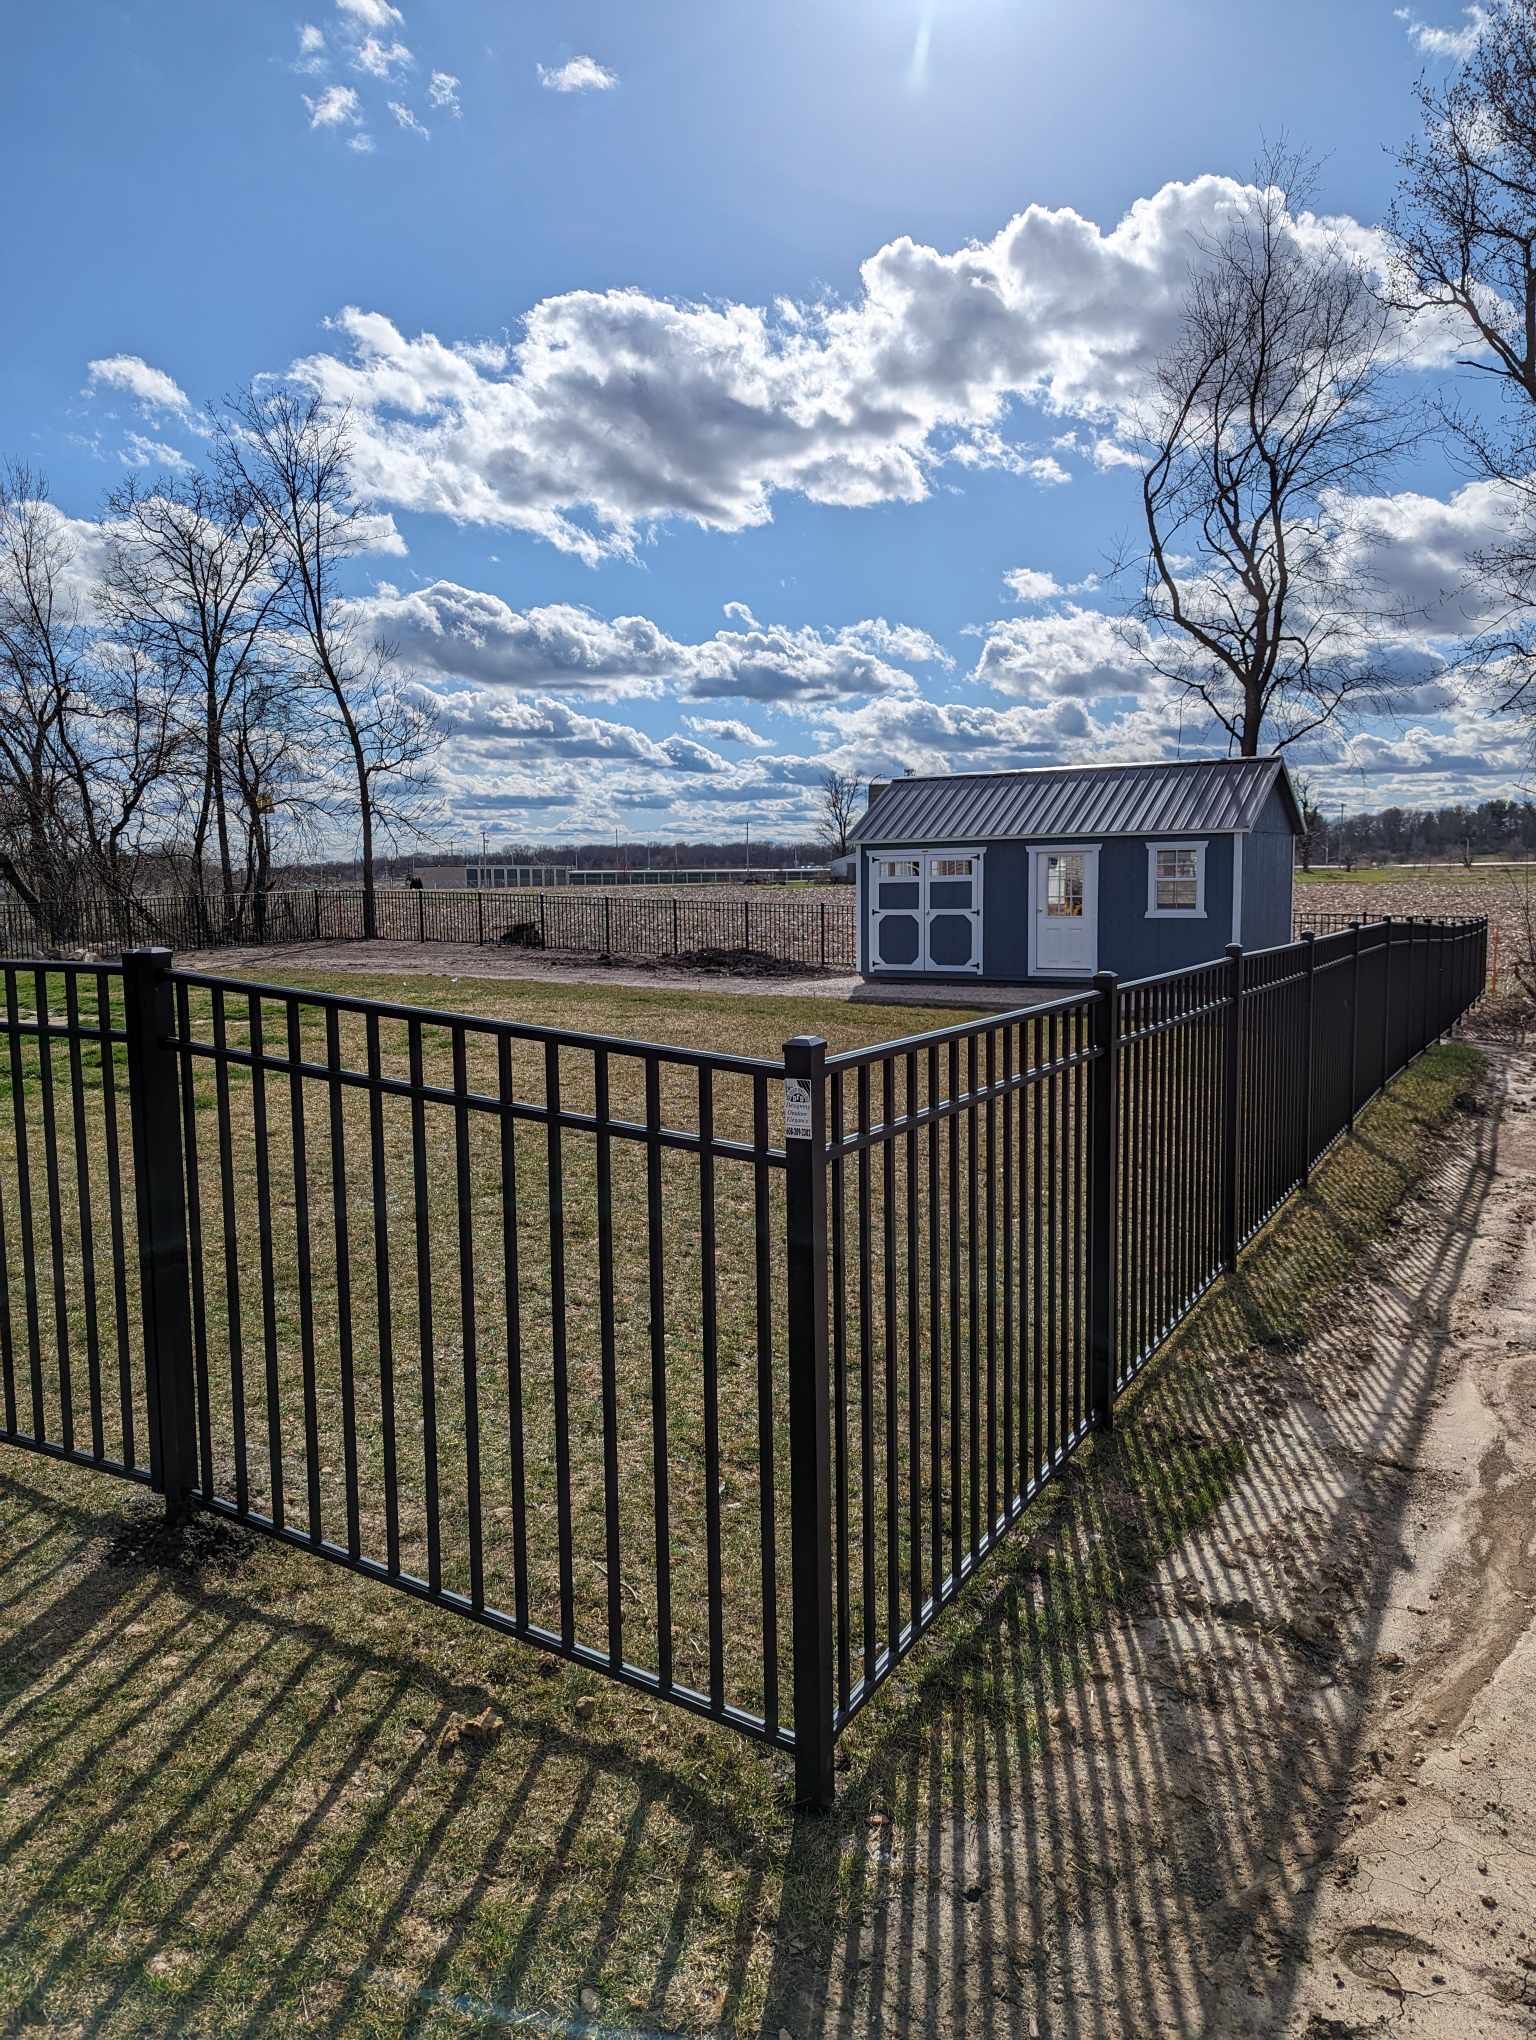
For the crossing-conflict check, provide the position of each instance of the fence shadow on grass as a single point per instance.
(1077, 1776)
(127, 1793)
(1118, 1825)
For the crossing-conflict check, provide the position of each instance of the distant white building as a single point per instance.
(487, 877)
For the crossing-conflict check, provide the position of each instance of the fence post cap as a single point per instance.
(153, 952)
(1235, 949)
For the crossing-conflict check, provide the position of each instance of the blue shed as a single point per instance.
(1046, 876)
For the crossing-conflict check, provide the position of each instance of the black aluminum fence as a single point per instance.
(717, 1375)
(180, 920)
(817, 933)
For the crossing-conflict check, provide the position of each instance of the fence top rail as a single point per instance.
(963, 1030)
(1168, 977)
(1458, 924)
(57, 966)
(486, 1024)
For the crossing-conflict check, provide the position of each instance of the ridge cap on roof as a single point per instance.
(1109, 765)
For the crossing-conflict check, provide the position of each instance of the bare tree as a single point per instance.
(89, 728)
(1272, 402)
(292, 453)
(1304, 788)
(837, 800)
(194, 579)
(1464, 235)
(269, 752)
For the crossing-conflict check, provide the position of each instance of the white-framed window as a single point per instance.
(1176, 881)
(899, 867)
(1064, 886)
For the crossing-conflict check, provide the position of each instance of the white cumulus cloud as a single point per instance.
(727, 730)
(579, 74)
(443, 93)
(376, 14)
(381, 60)
(469, 635)
(134, 376)
(1456, 43)
(1073, 653)
(616, 410)
(312, 56)
(337, 106)
(406, 119)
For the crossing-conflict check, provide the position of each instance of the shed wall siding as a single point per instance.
(1130, 943)
(1269, 856)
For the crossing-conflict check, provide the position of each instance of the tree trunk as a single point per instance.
(1253, 725)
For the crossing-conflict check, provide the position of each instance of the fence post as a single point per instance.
(607, 924)
(1232, 1087)
(1386, 999)
(810, 1457)
(317, 913)
(1104, 1191)
(154, 1103)
(676, 944)
(823, 934)
(1307, 1059)
(1354, 1026)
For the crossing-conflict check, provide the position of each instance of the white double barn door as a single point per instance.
(925, 911)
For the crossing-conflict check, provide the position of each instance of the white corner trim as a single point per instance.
(1194, 913)
(1237, 888)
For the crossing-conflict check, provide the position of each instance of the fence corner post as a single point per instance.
(154, 1103)
(1308, 1054)
(1103, 1180)
(810, 1441)
(1232, 1069)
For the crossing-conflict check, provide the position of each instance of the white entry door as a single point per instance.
(1064, 919)
(925, 911)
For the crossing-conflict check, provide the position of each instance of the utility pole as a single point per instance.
(749, 846)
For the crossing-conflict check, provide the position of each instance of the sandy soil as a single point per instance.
(1297, 1795)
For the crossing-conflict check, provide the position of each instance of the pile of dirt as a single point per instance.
(199, 1543)
(744, 963)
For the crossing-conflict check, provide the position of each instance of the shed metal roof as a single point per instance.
(1194, 796)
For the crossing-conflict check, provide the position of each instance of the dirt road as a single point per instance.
(1424, 1920)
(1296, 1794)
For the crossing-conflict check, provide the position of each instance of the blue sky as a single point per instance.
(664, 555)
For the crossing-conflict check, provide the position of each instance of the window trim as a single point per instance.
(1194, 913)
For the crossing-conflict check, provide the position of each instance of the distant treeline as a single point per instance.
(1494, 828)
(636, 856)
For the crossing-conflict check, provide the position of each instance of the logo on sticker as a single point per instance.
(797, 1109)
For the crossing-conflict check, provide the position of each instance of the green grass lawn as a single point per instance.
(236, 1797)
(1476, 877)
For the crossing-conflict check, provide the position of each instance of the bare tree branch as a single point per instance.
(1271, 404)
